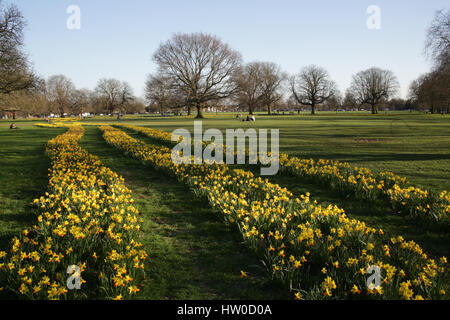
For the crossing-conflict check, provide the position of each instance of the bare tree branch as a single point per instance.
(312, 86)
(200, 66)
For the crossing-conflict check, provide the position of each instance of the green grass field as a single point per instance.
(410, 144)
(193, 255)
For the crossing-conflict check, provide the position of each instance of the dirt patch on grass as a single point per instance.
(366, 140)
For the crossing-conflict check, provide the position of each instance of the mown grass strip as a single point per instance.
(194, 254)
(358, 181)
(87, 220)
(315, 251)
(24, 169)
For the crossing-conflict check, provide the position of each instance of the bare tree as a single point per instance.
(24, 102)
(372, 86)
(437, 44)
(414, 89)
(160, 91)
(431, 91)
(433, 88)
(272, 80)
(397, 104)
(350, 101)
(335, 101)
(15, 73)
(201, 66)
(59, 92)
(127, 97)
(312, 86)
(250, 83)
(113, 94)
(292, 102)
(136, 106)
(80, 100)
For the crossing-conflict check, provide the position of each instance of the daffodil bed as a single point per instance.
(361, 182)
(86, 219)
(404, 198)
(315, 251)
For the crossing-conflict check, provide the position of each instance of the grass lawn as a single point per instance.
(23, 176)
(192, 254)
(434, 240)
(409, 144)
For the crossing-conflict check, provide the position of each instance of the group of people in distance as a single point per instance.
(249, 117)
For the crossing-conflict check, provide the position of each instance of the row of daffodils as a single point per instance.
(84, 242)
(364, 184)
(361, 182)
(315, 251)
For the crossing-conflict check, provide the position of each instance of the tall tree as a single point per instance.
(272, 80)
(433, 88)
(80, 101)
(437, 43)
(15, 73)
(160, 91)
(335, 101)
(312, 86)
(250, 83)
(113, 94)
(351, 101)
(431, 91)
(373, 86)
(201, 66)
(60, 90)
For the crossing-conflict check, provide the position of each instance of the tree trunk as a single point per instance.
(313, 108)
(189, 110)
(199, 112)
(269, 109)
(374, 109)
(250, 110)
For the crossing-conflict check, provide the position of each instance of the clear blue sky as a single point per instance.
(117, 38)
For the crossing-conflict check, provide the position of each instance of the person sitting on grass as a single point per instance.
(13, 126)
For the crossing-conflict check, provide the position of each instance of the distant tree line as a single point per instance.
(198, 71)
(58, 96)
